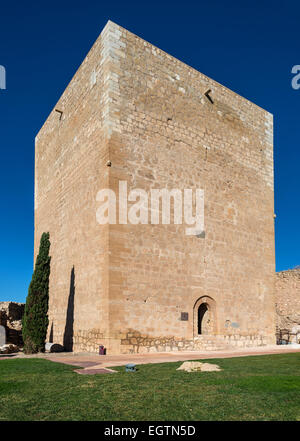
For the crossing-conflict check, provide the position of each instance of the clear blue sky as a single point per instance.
(248, 46)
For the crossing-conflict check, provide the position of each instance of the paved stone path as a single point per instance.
(94, 363)
(104, 361)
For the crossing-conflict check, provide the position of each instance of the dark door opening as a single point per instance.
(203, 319)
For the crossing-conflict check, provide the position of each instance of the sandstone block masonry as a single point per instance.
(288, 303)
(160, 124)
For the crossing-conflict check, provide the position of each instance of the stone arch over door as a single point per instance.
(205, 317)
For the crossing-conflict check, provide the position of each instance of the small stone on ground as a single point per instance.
(197, 366)
(8, 349)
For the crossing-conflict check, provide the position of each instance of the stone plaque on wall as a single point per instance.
(2, 336)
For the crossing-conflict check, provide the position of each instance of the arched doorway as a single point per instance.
(205, 321)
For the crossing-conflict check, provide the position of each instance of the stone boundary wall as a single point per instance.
(287, 299)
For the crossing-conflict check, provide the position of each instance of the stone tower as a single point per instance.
(134, 113)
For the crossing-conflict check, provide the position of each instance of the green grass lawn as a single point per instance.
(249, 388)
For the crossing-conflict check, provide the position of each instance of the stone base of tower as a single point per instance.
(134, 342)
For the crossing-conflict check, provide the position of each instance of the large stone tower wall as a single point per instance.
(147, 113)
(70, 167)
(170, 135)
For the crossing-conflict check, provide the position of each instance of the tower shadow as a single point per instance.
(69, 327)
(51, 334)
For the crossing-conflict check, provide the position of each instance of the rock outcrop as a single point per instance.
(11, 314)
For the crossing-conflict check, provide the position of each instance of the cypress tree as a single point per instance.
(35, 319)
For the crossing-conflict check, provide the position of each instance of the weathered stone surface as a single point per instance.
(8, 349)
(11, 314)
(146, 114)
(209, 367)
(288, 303)
(194, 366)
(190, 366)
(53, 347)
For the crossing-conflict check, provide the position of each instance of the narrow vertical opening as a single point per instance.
(203, 319)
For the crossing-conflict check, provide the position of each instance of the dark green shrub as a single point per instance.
(35, 319)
